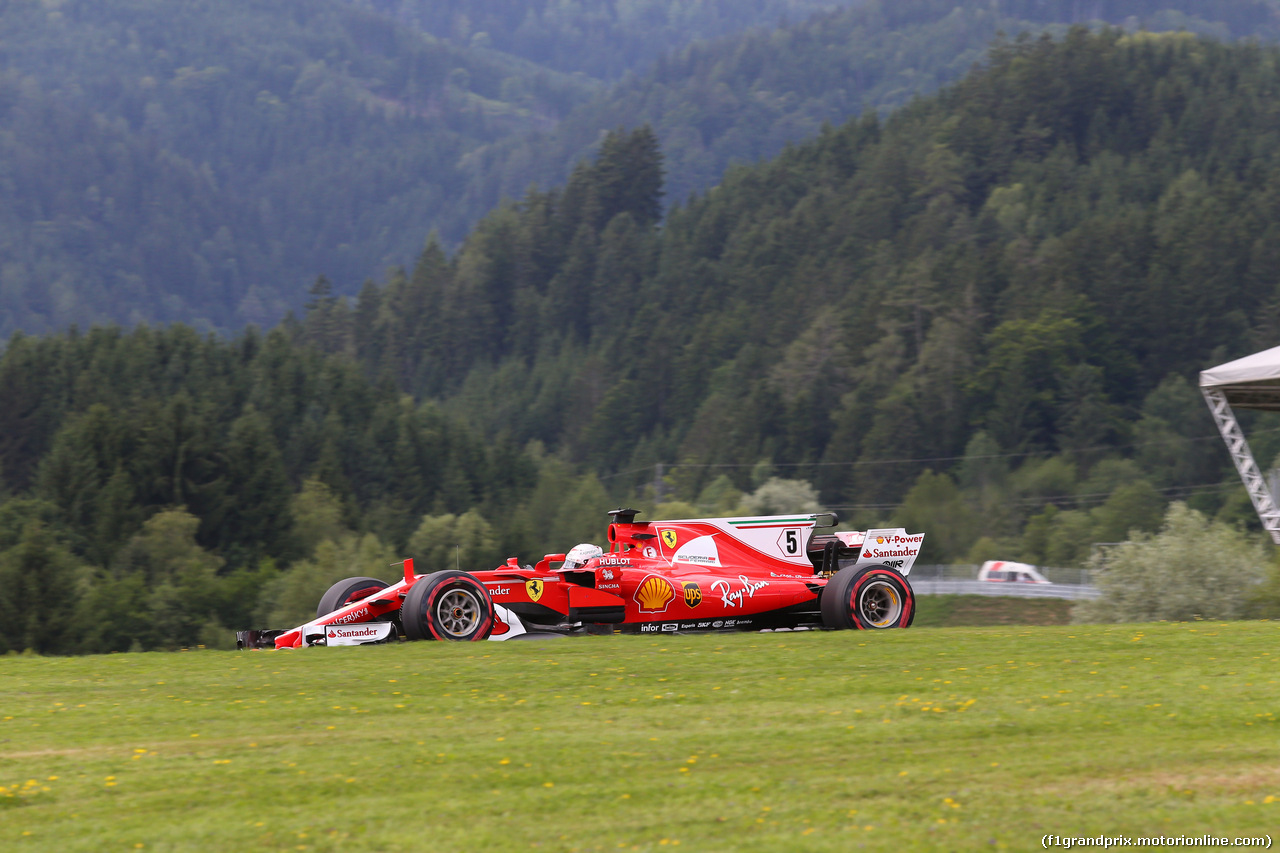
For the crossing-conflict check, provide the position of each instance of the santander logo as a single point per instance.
(362, 632)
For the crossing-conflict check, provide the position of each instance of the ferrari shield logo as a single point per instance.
(534, 588)
(692, 594)
(669, 538)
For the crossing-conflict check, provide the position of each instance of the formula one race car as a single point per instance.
(711, 574)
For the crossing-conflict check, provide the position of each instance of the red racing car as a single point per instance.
(711, 574)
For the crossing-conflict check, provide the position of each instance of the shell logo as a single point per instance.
(879, 540)
(654, 594)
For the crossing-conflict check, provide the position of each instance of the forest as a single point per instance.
(171, 162)
(176, 162)
(1030, 266)
(743, 97)
(603, 39)
(980, 317)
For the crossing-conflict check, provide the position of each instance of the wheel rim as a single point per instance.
(880, 604)
(458, 612)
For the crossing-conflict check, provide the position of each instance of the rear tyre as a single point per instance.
(447, 605)
(346, 591)
(867, 598)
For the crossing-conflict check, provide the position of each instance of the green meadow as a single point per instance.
(930, 738)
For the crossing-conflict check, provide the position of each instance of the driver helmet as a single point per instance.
(580, 554)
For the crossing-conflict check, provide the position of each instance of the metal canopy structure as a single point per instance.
(1252, 382)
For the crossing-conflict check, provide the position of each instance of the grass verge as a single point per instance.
(954, 611)
(951, 738)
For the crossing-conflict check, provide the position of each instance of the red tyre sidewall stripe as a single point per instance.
(486, 624)
(852, 603)
(363, 592)
(908, 605)
(431, 609)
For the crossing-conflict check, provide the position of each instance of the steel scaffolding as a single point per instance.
(1263, 501)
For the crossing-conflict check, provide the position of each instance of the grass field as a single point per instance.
(953, 611)
(931, 738)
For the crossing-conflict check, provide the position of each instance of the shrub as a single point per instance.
(1192, 568)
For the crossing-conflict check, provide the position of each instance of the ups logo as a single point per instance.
(692, 594)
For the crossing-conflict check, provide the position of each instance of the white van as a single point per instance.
(1003, 571)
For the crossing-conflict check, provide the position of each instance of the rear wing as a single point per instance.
(892, 547)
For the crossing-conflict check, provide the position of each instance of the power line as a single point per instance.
(917, 460)
(622, 473)
(1088, 497)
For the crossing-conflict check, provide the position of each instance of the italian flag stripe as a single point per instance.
(770, 522)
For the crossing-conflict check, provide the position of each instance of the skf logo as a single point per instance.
(654, 594)
(692, 594)
(669, 538)
(534, 588)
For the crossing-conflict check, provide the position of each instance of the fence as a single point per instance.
(963, 580)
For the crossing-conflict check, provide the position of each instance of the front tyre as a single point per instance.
(447, 605)
(345, 592)
(867, 598)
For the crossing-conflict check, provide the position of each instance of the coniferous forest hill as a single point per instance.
(980, 317)
(182, 160)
